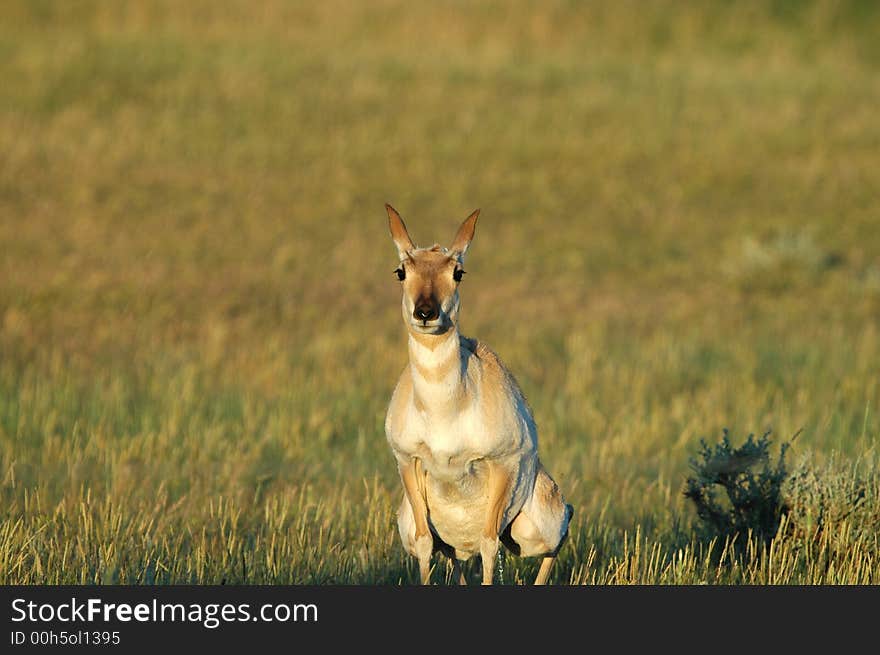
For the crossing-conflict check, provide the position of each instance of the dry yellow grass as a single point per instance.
(199, 326)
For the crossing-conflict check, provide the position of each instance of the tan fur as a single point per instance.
(461, 429)
(430, 272)
(433, 374)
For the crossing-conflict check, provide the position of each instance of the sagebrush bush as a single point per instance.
(836, 506)
(821, 513)
(738, 491)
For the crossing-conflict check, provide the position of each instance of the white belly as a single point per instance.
(458, 509)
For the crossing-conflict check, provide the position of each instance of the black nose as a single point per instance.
(426, 311)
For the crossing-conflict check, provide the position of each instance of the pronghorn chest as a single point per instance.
(449, 448)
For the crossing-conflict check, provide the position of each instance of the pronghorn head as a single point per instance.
(430, 276)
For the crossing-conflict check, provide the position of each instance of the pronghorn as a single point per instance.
(461, 431)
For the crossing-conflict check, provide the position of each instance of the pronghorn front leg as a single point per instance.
(499, 496)
(412, 473)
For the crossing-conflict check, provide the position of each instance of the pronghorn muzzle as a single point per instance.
(426, 309)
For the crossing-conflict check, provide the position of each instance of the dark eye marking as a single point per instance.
(456, 275)
(401, 273)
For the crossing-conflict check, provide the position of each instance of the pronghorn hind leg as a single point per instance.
(544, 571)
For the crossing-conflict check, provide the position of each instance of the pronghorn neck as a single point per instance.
(435, 365)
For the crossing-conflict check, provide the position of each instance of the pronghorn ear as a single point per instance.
(464, 235)
(398, 232)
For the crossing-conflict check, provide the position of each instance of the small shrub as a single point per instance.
(837, 506)
(738, 490)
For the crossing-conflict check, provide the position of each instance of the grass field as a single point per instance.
(200, 328)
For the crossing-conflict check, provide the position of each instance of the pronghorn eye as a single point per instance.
(456, 275)
(401, 274)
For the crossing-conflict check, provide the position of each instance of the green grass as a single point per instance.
(199, 325)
